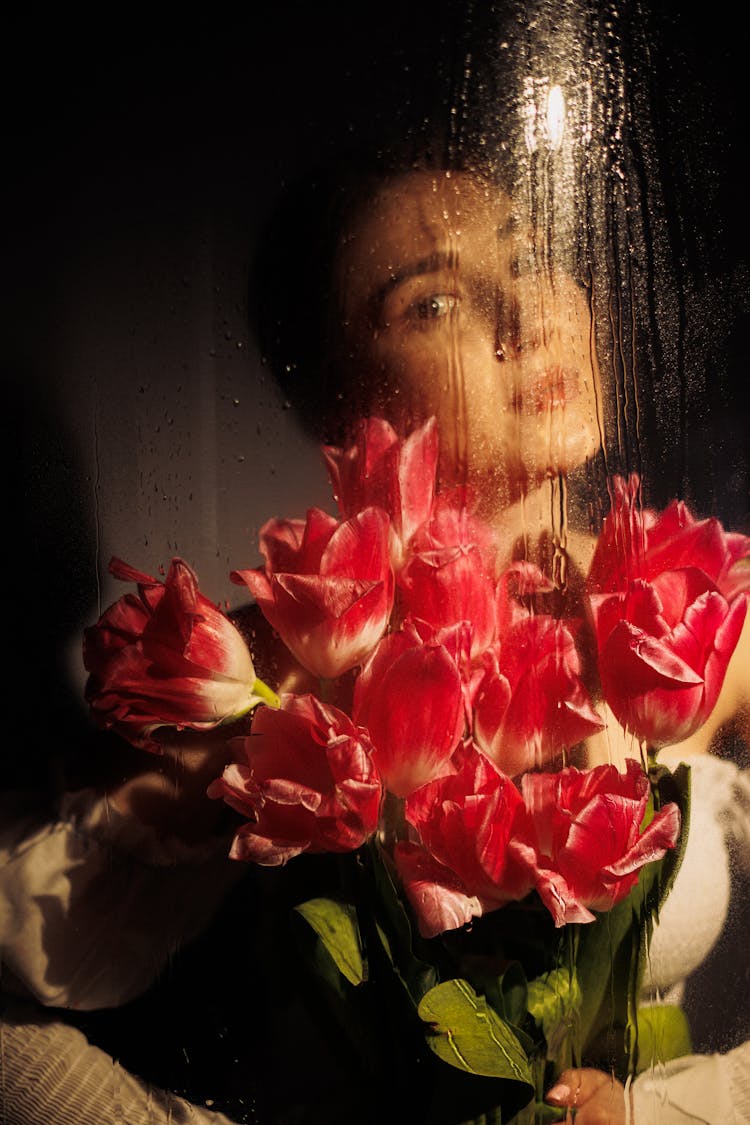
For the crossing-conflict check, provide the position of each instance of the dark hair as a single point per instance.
(425, 91)
(293, 296)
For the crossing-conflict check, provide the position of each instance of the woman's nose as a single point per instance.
(515, 332)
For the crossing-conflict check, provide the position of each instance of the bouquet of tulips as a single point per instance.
(493, 903)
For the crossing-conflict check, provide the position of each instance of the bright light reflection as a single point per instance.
(543, 114)
(555, 117)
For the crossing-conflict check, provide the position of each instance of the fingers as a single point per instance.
(575, 1087)
(592, 1096)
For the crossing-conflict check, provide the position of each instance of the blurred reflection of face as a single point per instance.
(441, 317)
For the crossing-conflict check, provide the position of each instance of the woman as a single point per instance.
(441, 308)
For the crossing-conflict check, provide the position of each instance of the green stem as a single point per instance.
(325, 691)
(393, 820)
(266, 693)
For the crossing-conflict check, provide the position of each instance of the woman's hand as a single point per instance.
(591, 1096)
(168, 790)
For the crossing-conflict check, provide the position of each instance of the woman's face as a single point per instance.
(442, 316)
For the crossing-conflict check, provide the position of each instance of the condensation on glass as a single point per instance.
(548, 266)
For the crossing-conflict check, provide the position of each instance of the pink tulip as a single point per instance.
(410, 697)
(167, 656)
(464, 864)
(381, 470)
(327, 587)
(531, 703)
(668, 598)
(664, 649)
(639, 543)
(451, 575)
(305, 780)
(453, 523)
(588, 846)
(449, 585)
(457, 640)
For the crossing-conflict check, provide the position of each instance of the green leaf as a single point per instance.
(335, 923)
(555, 1003)
(670, 786)
(503, 985)
(466, 1033)
(514, 992)
(553, 999)
(663, 1034)
(538, 1113)
(394, 929)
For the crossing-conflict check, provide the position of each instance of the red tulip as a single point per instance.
(588, 844)
(457, 641)
(451, 575)
(668, 598)
(410, 697)
(305, 779)
(167, 656)
(465, 864)
(453, 523)
(381, 470)
(327, 587)
(531, 703)
(446, 586)
(639, 543)
(664, 649)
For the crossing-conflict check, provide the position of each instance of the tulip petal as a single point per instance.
(249, 847)
(633, 652)
(435, 893)
(414, 713)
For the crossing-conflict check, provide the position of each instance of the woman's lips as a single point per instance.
(552, 389)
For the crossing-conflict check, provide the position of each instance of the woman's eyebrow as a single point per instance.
(433, 263)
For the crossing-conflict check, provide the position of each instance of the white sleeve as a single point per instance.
(51, 1075)
(737, 820)
(710, 1089)
(92, 904)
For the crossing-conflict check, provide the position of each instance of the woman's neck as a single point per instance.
(542, 526)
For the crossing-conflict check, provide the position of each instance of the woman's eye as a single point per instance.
(434, 307)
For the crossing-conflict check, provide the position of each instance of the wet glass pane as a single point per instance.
(228, 242)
